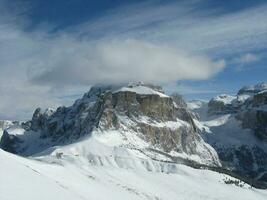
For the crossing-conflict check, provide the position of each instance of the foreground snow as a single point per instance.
(72, 178)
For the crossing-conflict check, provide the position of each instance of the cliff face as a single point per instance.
(140, 111)
(4, 124)
(253, 114)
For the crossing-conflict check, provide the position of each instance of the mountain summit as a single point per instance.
(127, 140)
(137, 117)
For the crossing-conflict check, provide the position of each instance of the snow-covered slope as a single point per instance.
(129, 142)
(69, 178)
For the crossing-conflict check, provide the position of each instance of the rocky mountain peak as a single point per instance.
(140, 111)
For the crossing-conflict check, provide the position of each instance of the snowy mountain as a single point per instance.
(235, 126)
(253, 89)
(127, 142)
(136, 118)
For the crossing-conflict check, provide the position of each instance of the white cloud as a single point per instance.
(159, 44)
(37, 69)
(247, 58)
(185, 25)
(122, 61)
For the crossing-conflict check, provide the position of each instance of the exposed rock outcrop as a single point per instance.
(254, 114)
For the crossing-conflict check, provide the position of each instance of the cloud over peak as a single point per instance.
(124, 60)
(160, 42)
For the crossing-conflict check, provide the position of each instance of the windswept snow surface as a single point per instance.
(69, 178)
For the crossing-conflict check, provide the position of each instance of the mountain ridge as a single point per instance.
(235, 126)
(140, 111)
(137, 126)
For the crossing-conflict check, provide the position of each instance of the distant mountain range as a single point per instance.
(236, 127)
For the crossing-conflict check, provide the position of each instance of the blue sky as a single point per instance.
(53, 51)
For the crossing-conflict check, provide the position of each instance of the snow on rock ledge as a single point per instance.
(142, 90)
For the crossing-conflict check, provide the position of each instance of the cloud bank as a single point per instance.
(123, 61)
(161, 44)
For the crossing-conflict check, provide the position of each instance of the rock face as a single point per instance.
(9, 142)
(222, 104)
(138, 110)
(4, 124)
(253, 114)
(236, 126)
(253, 89)
(244, 159)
